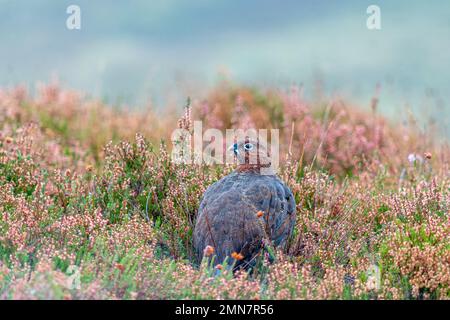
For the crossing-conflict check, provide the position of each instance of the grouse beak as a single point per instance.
(235, 149)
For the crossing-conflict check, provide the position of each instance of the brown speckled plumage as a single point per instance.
(228, 221)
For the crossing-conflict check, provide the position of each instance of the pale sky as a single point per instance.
(134, 51)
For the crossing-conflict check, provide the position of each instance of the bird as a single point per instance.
(244, 210)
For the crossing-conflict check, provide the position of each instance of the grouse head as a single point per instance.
(251, 155)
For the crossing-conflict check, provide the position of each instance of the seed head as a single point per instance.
(120, 267)
(208, 251)
(237, 256)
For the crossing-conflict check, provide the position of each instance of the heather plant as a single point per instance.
(94, 209)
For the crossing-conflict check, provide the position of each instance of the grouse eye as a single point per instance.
(248, 146)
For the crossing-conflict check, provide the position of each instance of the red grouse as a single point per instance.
(240, 211)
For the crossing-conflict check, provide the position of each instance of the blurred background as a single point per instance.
(151, 52)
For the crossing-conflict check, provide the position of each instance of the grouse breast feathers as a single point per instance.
(228, 218)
